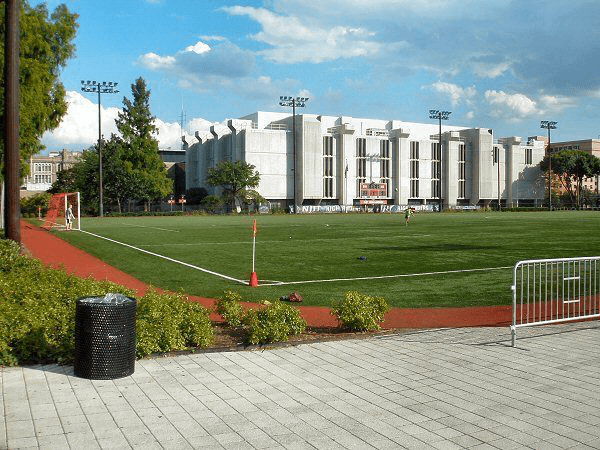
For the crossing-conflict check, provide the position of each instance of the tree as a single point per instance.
(83, 177)
(194, 196)
(571, 167)
(45, 47)
(31, 205)
(118, 184)
(236, 178)
(132, 167)
(139, 148)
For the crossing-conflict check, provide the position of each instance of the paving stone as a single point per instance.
(451, 388)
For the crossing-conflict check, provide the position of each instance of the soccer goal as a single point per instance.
(64, 212)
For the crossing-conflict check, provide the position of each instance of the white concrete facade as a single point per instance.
(334, 155)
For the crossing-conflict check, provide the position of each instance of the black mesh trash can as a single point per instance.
(105, 337)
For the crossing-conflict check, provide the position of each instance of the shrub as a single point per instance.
(167, 322)
(213, 203)
(37, 313)
(275, 322)
(230, 308)
(30, 205)
(360, 312)
(37, 308)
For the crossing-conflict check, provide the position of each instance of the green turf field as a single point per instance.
(301, 251)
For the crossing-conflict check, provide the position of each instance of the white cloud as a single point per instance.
(169, 133)
(79, 128)
(456, 93)
(440, 36)
(199, 65)
(514, 107)
(198, 48)
(157, 62)
(293, 39)
(556, 104)
(511, 106)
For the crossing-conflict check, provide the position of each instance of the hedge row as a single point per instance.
(37, 313)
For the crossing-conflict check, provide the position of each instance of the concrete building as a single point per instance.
(43, 170)
(350, 161)
(174, 161)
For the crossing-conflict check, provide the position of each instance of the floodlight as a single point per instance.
(549, 125)
(299, 102)
(440, 115)
(100, 87)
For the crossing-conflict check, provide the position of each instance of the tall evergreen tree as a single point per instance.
(140, 146)
(46, 44)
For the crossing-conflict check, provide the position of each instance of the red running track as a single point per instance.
(57, 253)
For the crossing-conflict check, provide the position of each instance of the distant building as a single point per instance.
(175, 164)
(591, 146)
(337, 160)
(43, 170)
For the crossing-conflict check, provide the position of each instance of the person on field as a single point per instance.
(69, 217)
(407, 214)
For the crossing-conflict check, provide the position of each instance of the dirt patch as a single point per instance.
(233, 339)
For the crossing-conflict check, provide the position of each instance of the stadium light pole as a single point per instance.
(549, 125)
(440, 115)
(297, 102)
(101, 87)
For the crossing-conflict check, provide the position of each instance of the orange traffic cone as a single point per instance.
(253, 279)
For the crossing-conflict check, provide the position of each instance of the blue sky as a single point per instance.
(498, 64)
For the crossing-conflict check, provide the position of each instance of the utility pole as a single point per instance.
(12, 155)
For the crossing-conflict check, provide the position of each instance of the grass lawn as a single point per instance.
(300, 251)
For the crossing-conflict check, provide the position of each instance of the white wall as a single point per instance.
(265, 140)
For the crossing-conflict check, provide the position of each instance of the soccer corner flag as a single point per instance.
(254, 230)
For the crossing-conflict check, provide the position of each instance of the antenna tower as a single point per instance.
(182, 121)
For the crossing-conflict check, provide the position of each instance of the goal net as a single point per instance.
(64, 212)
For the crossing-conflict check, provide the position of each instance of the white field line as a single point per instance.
(404, 275)
(144, 226)
(167, 258)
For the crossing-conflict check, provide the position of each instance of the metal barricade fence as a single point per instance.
(555, 290)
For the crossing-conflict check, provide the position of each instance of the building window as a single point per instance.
(436, 169)
(328, 167)
(462, 170)
(528, 156)
(414, 169)
(361, 163)
(42, 167)
(226, 146)
(42, 179)
(414, 150)
(385, 162)
(496, 155)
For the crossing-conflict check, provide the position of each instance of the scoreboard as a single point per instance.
(373, 193)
